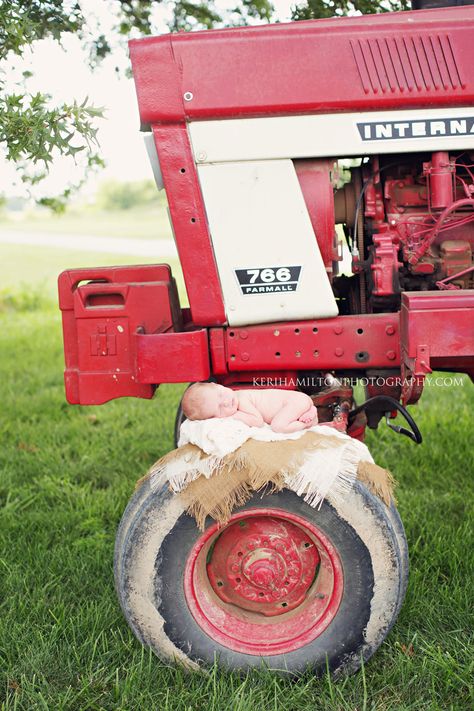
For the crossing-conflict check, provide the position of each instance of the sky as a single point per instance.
(64, 73)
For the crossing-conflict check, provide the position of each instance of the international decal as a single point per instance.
(417, 128)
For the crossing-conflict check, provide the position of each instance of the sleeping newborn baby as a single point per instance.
(284, 410)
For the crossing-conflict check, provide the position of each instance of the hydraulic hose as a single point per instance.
(391, 404)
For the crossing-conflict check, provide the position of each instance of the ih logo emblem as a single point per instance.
(268, 280)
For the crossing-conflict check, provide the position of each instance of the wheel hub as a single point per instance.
(240, 582)
(262, 564)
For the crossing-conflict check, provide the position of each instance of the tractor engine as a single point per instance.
(409, 224)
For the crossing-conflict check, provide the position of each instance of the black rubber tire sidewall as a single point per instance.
(344, 641)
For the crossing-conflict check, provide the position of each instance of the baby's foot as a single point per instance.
(309, 416)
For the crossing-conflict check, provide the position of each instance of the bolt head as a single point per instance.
(390, 330)
(245, 356)
(391, 355)
(337, 330)
(339, 352)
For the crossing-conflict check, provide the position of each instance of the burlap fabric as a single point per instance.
(232, 480)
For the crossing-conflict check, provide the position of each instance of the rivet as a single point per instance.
(337, 330)
(339, 352)
(188, 96)
(245, 356)
(243, 334)
(390, 330)
(391, 355)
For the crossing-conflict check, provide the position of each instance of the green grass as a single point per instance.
(149, 222)
(26, 268)
(66, 475)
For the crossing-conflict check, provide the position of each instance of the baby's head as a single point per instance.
(204, 400)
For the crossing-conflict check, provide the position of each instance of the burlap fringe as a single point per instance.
(181, 466)
(233, 486)
(214, 486)
(378, 480)
(235, 489)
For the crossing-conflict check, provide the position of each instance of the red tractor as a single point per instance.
(266, 138)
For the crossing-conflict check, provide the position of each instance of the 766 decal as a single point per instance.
(268, 280)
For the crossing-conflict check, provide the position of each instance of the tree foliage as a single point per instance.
(188, 15)
(33, 131)
(23, 22)
(114, 195)
(315, 9)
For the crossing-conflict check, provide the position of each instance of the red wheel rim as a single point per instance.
(267, 583)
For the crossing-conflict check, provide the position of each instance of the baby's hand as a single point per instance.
(310, 416)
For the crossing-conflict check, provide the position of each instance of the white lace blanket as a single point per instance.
(324, 469)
